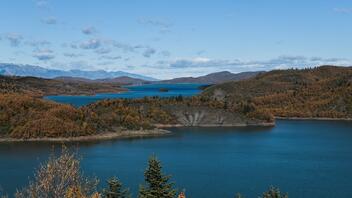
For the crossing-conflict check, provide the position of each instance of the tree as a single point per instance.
(59, 177)
(115, 189)
(238, 195)
(274, 193)
(157, 184)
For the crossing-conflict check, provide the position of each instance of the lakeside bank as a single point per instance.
(98, 137)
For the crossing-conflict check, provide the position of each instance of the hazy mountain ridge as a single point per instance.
(124, 80)
(213, 78)
(120, 77)
(36, 71)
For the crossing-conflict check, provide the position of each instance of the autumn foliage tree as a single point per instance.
(59, 177)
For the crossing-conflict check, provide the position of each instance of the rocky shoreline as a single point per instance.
(217, 125)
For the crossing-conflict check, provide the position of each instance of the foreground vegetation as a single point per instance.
(322, 92)
(61, 177)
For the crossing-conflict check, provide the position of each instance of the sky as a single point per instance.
(173, 38)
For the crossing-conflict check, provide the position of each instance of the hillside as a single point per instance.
(73, 79)
(24, 117)
(213, 78)
(324, 91)
(123, 80)
(41, 86)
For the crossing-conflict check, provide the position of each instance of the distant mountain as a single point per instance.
(73, 79)
(124, 80)
(36, 71)
(42, 86)
(213, 78)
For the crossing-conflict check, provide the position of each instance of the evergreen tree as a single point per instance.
(157, 184)
(115, 189)
(274, 193)
(238, 195)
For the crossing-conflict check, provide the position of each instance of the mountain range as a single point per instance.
(119, 77)
(36, 71)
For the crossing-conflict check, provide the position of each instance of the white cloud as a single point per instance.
(38, 43)
(125, 47)
(44, 54)
(149, 52)
(14, 39)
(343, 10)
(110, 57)
(165, 53)
(72, 55)
(49, 20)
(42, 3)
(91, 44)
(154, 22)
(103, 51)
(89, 30)
(163, 25)
(237, 65)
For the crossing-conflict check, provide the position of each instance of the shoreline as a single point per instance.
(313, 118)
(44, 96)
(160, 130)
(216, 125)
(98, 137)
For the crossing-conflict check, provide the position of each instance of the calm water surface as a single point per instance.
(134, 92)
(304, 158)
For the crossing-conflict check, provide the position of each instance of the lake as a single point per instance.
(304, 158)
(134, 92)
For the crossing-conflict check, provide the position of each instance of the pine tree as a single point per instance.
(238, 195)
(274, 193)
(115, 189)
(157, 184)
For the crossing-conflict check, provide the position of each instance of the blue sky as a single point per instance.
(166, 39)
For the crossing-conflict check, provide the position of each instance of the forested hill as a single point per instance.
(324, 91)
(41, 86)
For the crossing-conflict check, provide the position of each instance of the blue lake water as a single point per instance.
(304, 158)
(134, 92)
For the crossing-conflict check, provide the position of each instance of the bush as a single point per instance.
(59, 177)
